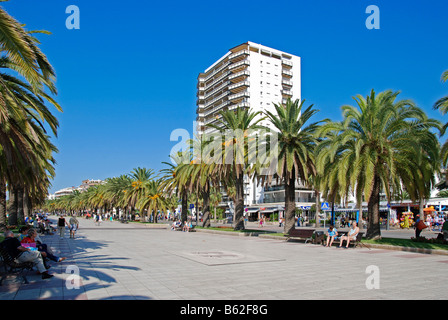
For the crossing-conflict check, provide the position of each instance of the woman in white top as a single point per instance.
(354, 230)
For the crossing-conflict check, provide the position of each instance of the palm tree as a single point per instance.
(424, 165)
(153, 198)
(374, 143)
(296, 144)
(20, 46)
(215, 198)
(201, 173)
(25, 156)
(235, 127)
(116, 189)
(139, 177)
(442, 106)
(176, 178)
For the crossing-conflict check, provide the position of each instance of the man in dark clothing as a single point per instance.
(61, 226)
(13, 246)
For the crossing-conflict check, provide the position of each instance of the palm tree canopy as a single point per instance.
(376, 137)
(296, 138)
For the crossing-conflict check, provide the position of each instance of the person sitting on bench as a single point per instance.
(353, 233)
(12, 245)
(331, 234)
(41, 247)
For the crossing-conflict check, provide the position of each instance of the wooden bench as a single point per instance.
(300, 234)
(177, 228)
(353, 243)
(11, 266)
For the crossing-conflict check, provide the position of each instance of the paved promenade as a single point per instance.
(131, 261)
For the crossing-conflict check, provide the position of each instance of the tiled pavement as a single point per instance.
(132, 262)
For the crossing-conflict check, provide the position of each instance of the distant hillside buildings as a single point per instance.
(86, 184)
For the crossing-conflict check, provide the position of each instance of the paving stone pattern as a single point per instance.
(133, 262)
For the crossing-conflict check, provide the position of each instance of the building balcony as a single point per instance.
(219, 79)
(241, 74)
(239, 85)
(219, 88)
(239, 105)
(239, 95)
(216, 71)
(287, 73)
(216, 108)
(238, 64)
(287, 63)
(208, 104)
(239, 54)
(287, 93)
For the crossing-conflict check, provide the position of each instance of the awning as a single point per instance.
(269, 210)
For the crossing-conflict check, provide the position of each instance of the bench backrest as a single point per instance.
(6, 256)
(301, 232)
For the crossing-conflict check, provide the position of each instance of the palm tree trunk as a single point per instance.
(184, 213)
(290, 202)
(360, 224)
(20, 212)
(421, 208)
(26, 204)
(239, 202)
(2, 205)
(12, 219)
(206, 209)
(373, 227)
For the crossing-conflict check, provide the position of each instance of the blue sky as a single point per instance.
(127, 77)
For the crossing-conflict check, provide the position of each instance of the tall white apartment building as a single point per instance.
(251, 76)
(248, 76)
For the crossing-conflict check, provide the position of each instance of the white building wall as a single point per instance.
(266, 74)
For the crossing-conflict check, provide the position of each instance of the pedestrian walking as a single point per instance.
(61, 226)
(74, 226)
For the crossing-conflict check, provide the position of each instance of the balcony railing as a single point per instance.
(239, 53)
(239, 105)
(215, 81)
(287, 62)
(218, 107)
(216, 71)
(289, 73)
(240, 63)
(239, 74)
(239, 95)
(239, 84)
(224, 84)
(208, 104)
